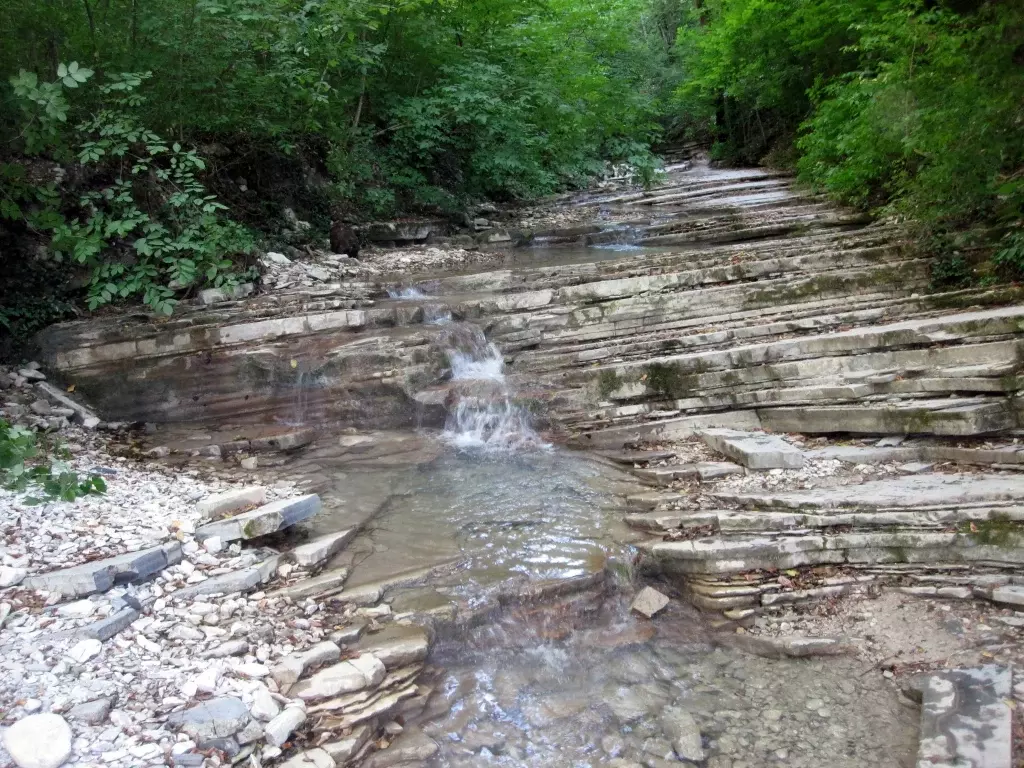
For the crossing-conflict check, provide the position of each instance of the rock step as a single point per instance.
(703, 471)
(101, 575)
(730, 522)
(728, 330)
(1007, 455)
(263, 521)
(922, 333)
(921, 491)
(748, 553)
(949, 417)
(755, 450)
(966, 718)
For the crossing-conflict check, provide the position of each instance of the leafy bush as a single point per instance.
(909, 106)
(147, 227)
(24, 466)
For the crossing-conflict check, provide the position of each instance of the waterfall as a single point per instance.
(482, 410)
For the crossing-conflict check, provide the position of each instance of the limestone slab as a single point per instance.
(346, 677)
(218, 718)
(224, 504)
(325, 585)
(321, 549)
(263, 521)
(755, 450)
(101, 575)
(923, 490)
(946, 417)
(238, 581)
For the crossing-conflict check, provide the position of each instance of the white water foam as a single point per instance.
(486, 416)
(406, 294)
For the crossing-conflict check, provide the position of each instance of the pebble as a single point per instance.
(39, 741)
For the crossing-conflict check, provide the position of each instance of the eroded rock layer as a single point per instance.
(749, 303)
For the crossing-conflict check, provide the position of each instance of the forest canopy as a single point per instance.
(128, 127)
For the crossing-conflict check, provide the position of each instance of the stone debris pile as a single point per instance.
(136, 629)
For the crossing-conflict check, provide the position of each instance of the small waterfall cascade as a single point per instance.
(482, 409)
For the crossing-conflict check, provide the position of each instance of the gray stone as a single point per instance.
(324, 585)
(244, 580)
(104, 629)
(754, 450)
(966, 719)
(264, 705)
(347, 677)
(345, 749)
(82, 415)
(212, 720)
(91, 712)
(218, 295)
(263, 521)
(101, 575)
(947, 417)
(293, 666)
(281, 727)
(39, 741)
(397, 646)
(321, 549)
(10, 577)
(1011, 594)
(411, 747)
(906, 491)
(786, 647)
(649, 602)
(230, 648)
(681, 729)
(228, 503)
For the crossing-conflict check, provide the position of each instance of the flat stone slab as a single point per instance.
(228, 503)
(1011, 595)
(243, 580)
(323, 548)
(702, 471)
(755, 450)
(101, 575)
(951, 417)
(966, 719)
(212, 720)
(649, 602)
(920, 490)
(324, 585)
(270, 518)
(630, 458)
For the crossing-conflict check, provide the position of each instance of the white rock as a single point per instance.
(207, 680)
(254, 671)
(649, 602)
(80, 609)
(85, 650)
(213, 545)
(280, 728)
(39, 741)
(10, 577)
(264, 705)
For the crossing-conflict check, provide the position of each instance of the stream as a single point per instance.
(577, 680)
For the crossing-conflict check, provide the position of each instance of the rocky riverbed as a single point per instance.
(358, 549)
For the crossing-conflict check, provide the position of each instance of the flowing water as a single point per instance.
(612, 690)
(577, 681)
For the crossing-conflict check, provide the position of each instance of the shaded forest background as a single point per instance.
(147, 147)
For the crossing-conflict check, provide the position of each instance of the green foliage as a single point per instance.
(147, 227)
(910, 106)
(24, 466)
